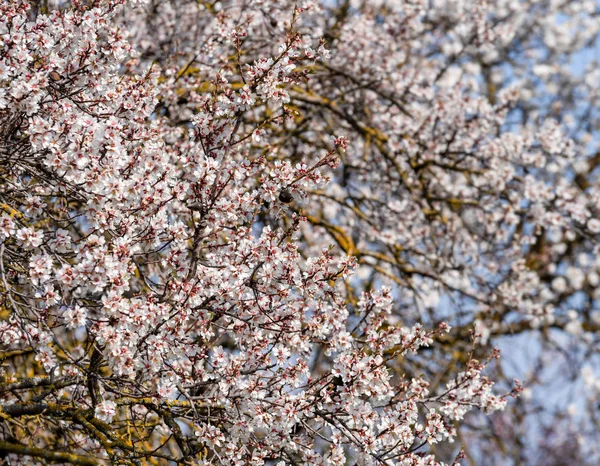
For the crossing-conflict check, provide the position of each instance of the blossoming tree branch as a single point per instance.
(292, 233)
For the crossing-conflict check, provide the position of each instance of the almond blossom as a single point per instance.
(249, 233)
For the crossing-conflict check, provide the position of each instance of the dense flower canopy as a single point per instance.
(277, 232)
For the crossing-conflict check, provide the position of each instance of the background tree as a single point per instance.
(268, 232)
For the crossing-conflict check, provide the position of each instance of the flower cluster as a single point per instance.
(243, 233)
